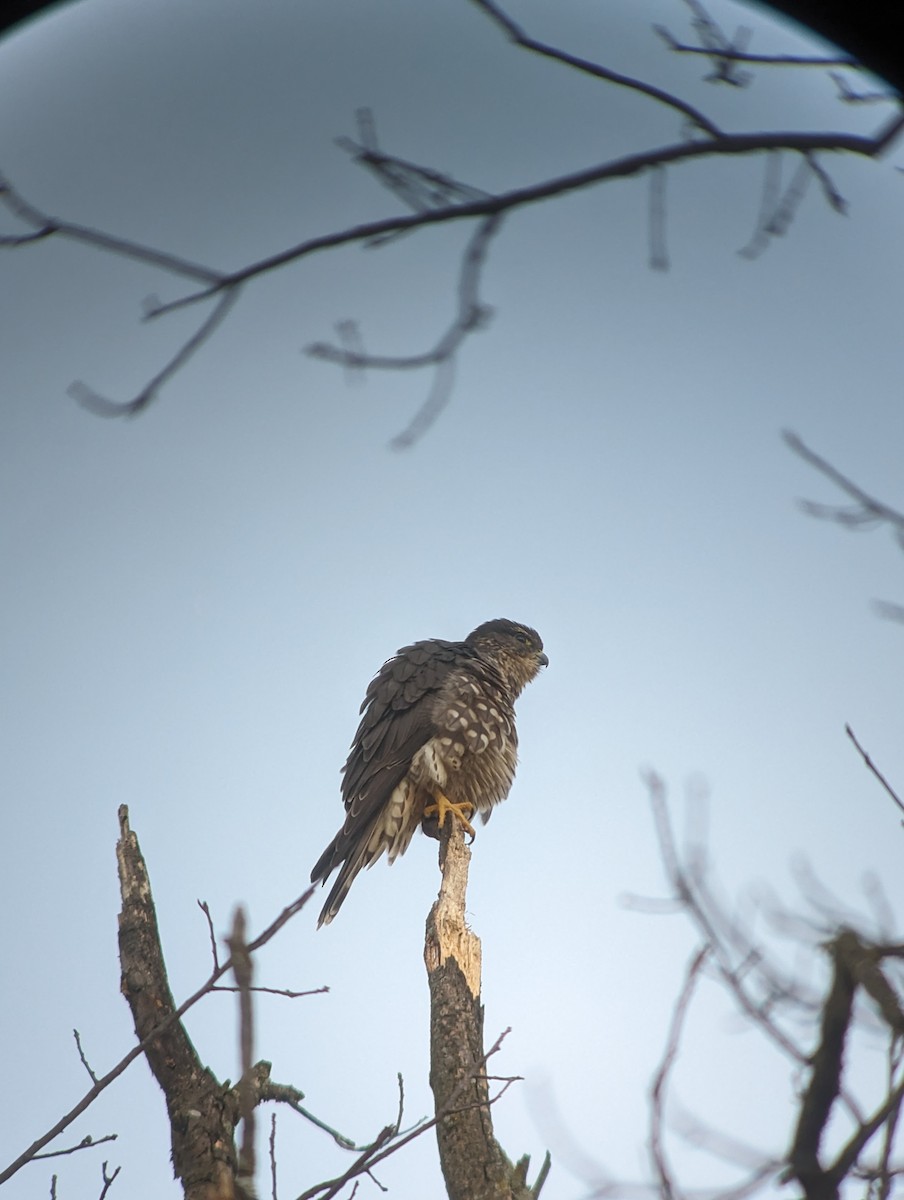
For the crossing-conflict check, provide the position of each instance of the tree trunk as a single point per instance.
(474, 1165)
(202, 1115)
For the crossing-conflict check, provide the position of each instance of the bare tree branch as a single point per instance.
(470, 316)
(85, 1144)
(283, 1093)
(225, 285)
(731, 953)
(868, 762)
(764, 60)
(101, 406)
(435, 198)
(777, 211)
(721, 50)
(201, 1120)
(825, 1082)
(474, 1165)
(886, 1171)
(243, 970)
(46, 226)
(81, 1054)
(214, 953)
(859, 968)
(158, 1030)
(866, 510)
(848, 95)
(273, 1156)
(660, 1079)
(864, 514)
(107, 1179)
(520, 38)
(419, 188)
(624, 167)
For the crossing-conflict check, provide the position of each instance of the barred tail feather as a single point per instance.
(344, 881)
(366, 852)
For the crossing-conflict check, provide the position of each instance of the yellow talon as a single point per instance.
(460, 811)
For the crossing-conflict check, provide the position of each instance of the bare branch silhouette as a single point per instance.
(243, 970)
(101, 406)
(435, 198)
(663, 1171)
(860, 1000)
(849, 95)
(777, 211)
(864, 514)
(158, 1030)
(762, 60)
(272, 1145)
(721, 49)
(81, 1054)
(471, 315)
(45, 226)
(85, 1144)
(107, 1179)
(868, 762)
(575, 63)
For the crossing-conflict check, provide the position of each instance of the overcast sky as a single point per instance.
(196, 599)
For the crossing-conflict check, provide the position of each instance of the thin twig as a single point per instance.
(470, 316)
(849, 1153)
(269, 991)
(205, 909)
(847, 94)
(703, 919)
(85, 1144)
(81, 1054)
(886, 1170)
(868, 762)
(517, 34)
(107, 1180)
(46, 226)
(273, 1195)
(102, 406)
(868, 508)
(285, 1093)
(661, 1077)
(381, 1149)
(777, 211)
(835, 199)
(765, 60)
(719, 48)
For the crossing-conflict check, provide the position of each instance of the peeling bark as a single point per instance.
(474, 1165)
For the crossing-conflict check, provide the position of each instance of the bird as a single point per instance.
(436, 739)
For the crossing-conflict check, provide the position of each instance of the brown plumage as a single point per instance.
(437, 736)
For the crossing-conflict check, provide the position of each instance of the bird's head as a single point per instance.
(515, 650)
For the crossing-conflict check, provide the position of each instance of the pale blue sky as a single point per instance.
(196, 599)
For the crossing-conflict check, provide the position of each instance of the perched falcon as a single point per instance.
(437, 736)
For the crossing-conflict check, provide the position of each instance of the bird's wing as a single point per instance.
(396, 722)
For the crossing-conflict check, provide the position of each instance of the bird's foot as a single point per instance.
(460, 811)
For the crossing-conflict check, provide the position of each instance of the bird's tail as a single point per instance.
(362, 855)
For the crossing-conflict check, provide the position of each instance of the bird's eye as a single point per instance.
(522, 638)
